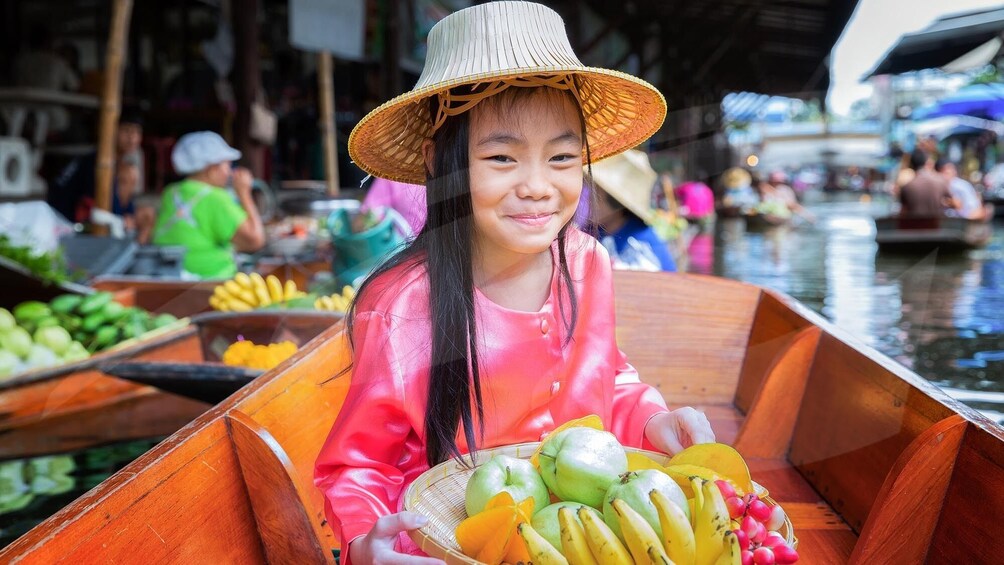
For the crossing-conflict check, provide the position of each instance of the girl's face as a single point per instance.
(526, 174)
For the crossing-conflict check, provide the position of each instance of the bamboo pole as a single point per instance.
(110, 102)
(326, 93)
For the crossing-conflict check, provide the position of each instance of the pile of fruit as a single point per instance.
(619, 508)
(245, 353)
(246, 292)
(69, 328)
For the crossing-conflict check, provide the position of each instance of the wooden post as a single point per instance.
(246, 80)
(326, 93)
(110, 99)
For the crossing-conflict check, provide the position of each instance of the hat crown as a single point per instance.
(493, 38)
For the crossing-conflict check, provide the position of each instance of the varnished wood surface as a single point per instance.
(770, 420)
(915, 487)
(180, 298)
(279, 500)
(685, 334)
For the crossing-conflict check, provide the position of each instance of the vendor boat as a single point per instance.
(79, 405)
(872, 463)
(925, 234)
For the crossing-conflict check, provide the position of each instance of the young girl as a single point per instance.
(496, 323)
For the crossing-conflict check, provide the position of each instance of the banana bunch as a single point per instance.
(247, 292)
(337, 302)
(711, 526)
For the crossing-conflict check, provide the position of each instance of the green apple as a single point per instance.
(17, 341)
(634, 488)
(9, 363)
(580, 464)
(54, 337)
(546, 520)
(503, 473)
(6, 320)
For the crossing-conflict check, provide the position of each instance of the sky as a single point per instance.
(874, 28)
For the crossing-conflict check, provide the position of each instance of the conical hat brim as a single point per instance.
(621, 111)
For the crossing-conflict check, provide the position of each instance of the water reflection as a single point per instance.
(941, 315)
(33, 489)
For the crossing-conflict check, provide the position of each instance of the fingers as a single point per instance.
(393, 524)
(695, 426)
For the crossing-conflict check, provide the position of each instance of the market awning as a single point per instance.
(944, 41)
(711, 48)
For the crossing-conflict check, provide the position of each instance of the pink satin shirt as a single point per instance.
(532, 382)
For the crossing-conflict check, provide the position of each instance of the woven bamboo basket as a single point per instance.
(439, 494)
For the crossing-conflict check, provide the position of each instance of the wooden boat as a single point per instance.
(79, 405)
(873, 463)
(213, 382)
(925, 234)
(757, 222)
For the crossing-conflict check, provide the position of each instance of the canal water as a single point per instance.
(941, 315)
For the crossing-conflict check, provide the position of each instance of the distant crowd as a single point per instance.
(932, 187)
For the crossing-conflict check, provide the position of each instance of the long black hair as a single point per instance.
(445, 246)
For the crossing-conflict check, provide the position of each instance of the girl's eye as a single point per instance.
(501, 159)
(562, 158)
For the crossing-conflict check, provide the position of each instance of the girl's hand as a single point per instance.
(378, 545)
(671, 432)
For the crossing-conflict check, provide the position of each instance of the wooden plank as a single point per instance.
(180, 502)
(689, 338)
(179, 298)
(277, 496)
(774, 327)
(969, 528)
(856, 415)
(915, 487)
(770, 421)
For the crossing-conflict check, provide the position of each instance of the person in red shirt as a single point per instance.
(495, 324)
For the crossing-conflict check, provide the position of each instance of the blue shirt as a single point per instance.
(642, 233)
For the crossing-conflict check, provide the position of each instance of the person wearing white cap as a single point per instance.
(495, 324)
(200, 215)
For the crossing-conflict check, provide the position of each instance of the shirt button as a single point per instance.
(555, 386)
(544, 326)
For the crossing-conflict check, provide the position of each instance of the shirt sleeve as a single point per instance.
(634, 405)
(226, 216)
(358, 467)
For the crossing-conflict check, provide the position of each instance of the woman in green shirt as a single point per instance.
(203, 217)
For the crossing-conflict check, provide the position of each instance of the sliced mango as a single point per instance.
(490, 536)
(499, 543)
(476, 532)
(723, 459)
(640, 462)
(590, 421)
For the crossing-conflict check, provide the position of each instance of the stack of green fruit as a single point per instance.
(69, 328)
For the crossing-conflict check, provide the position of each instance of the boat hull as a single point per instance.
(923, 235)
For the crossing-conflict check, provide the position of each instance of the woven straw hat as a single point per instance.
(629, 178)
(495, 46)
(736, 177)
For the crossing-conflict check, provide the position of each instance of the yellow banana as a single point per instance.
(642, 541)
(677, 534)
(274, 288)
(696, 483)
(573, 539)
(260, 290)
(711, 524)
(541, 551)
(348, 292)
(218, 304)
(232, 288)
(732, 554)
(602, 541)
(220, 292)
(289, 290)
(239, 305)
(243, 280)
(339, 302)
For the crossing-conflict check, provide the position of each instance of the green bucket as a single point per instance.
(358, 254)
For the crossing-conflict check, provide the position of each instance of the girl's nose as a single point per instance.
(535, 184)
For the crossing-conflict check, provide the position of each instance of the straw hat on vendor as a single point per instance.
(624, 214)
(620, 110)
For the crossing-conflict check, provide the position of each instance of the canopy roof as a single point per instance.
(944, 41)
(713, 47)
